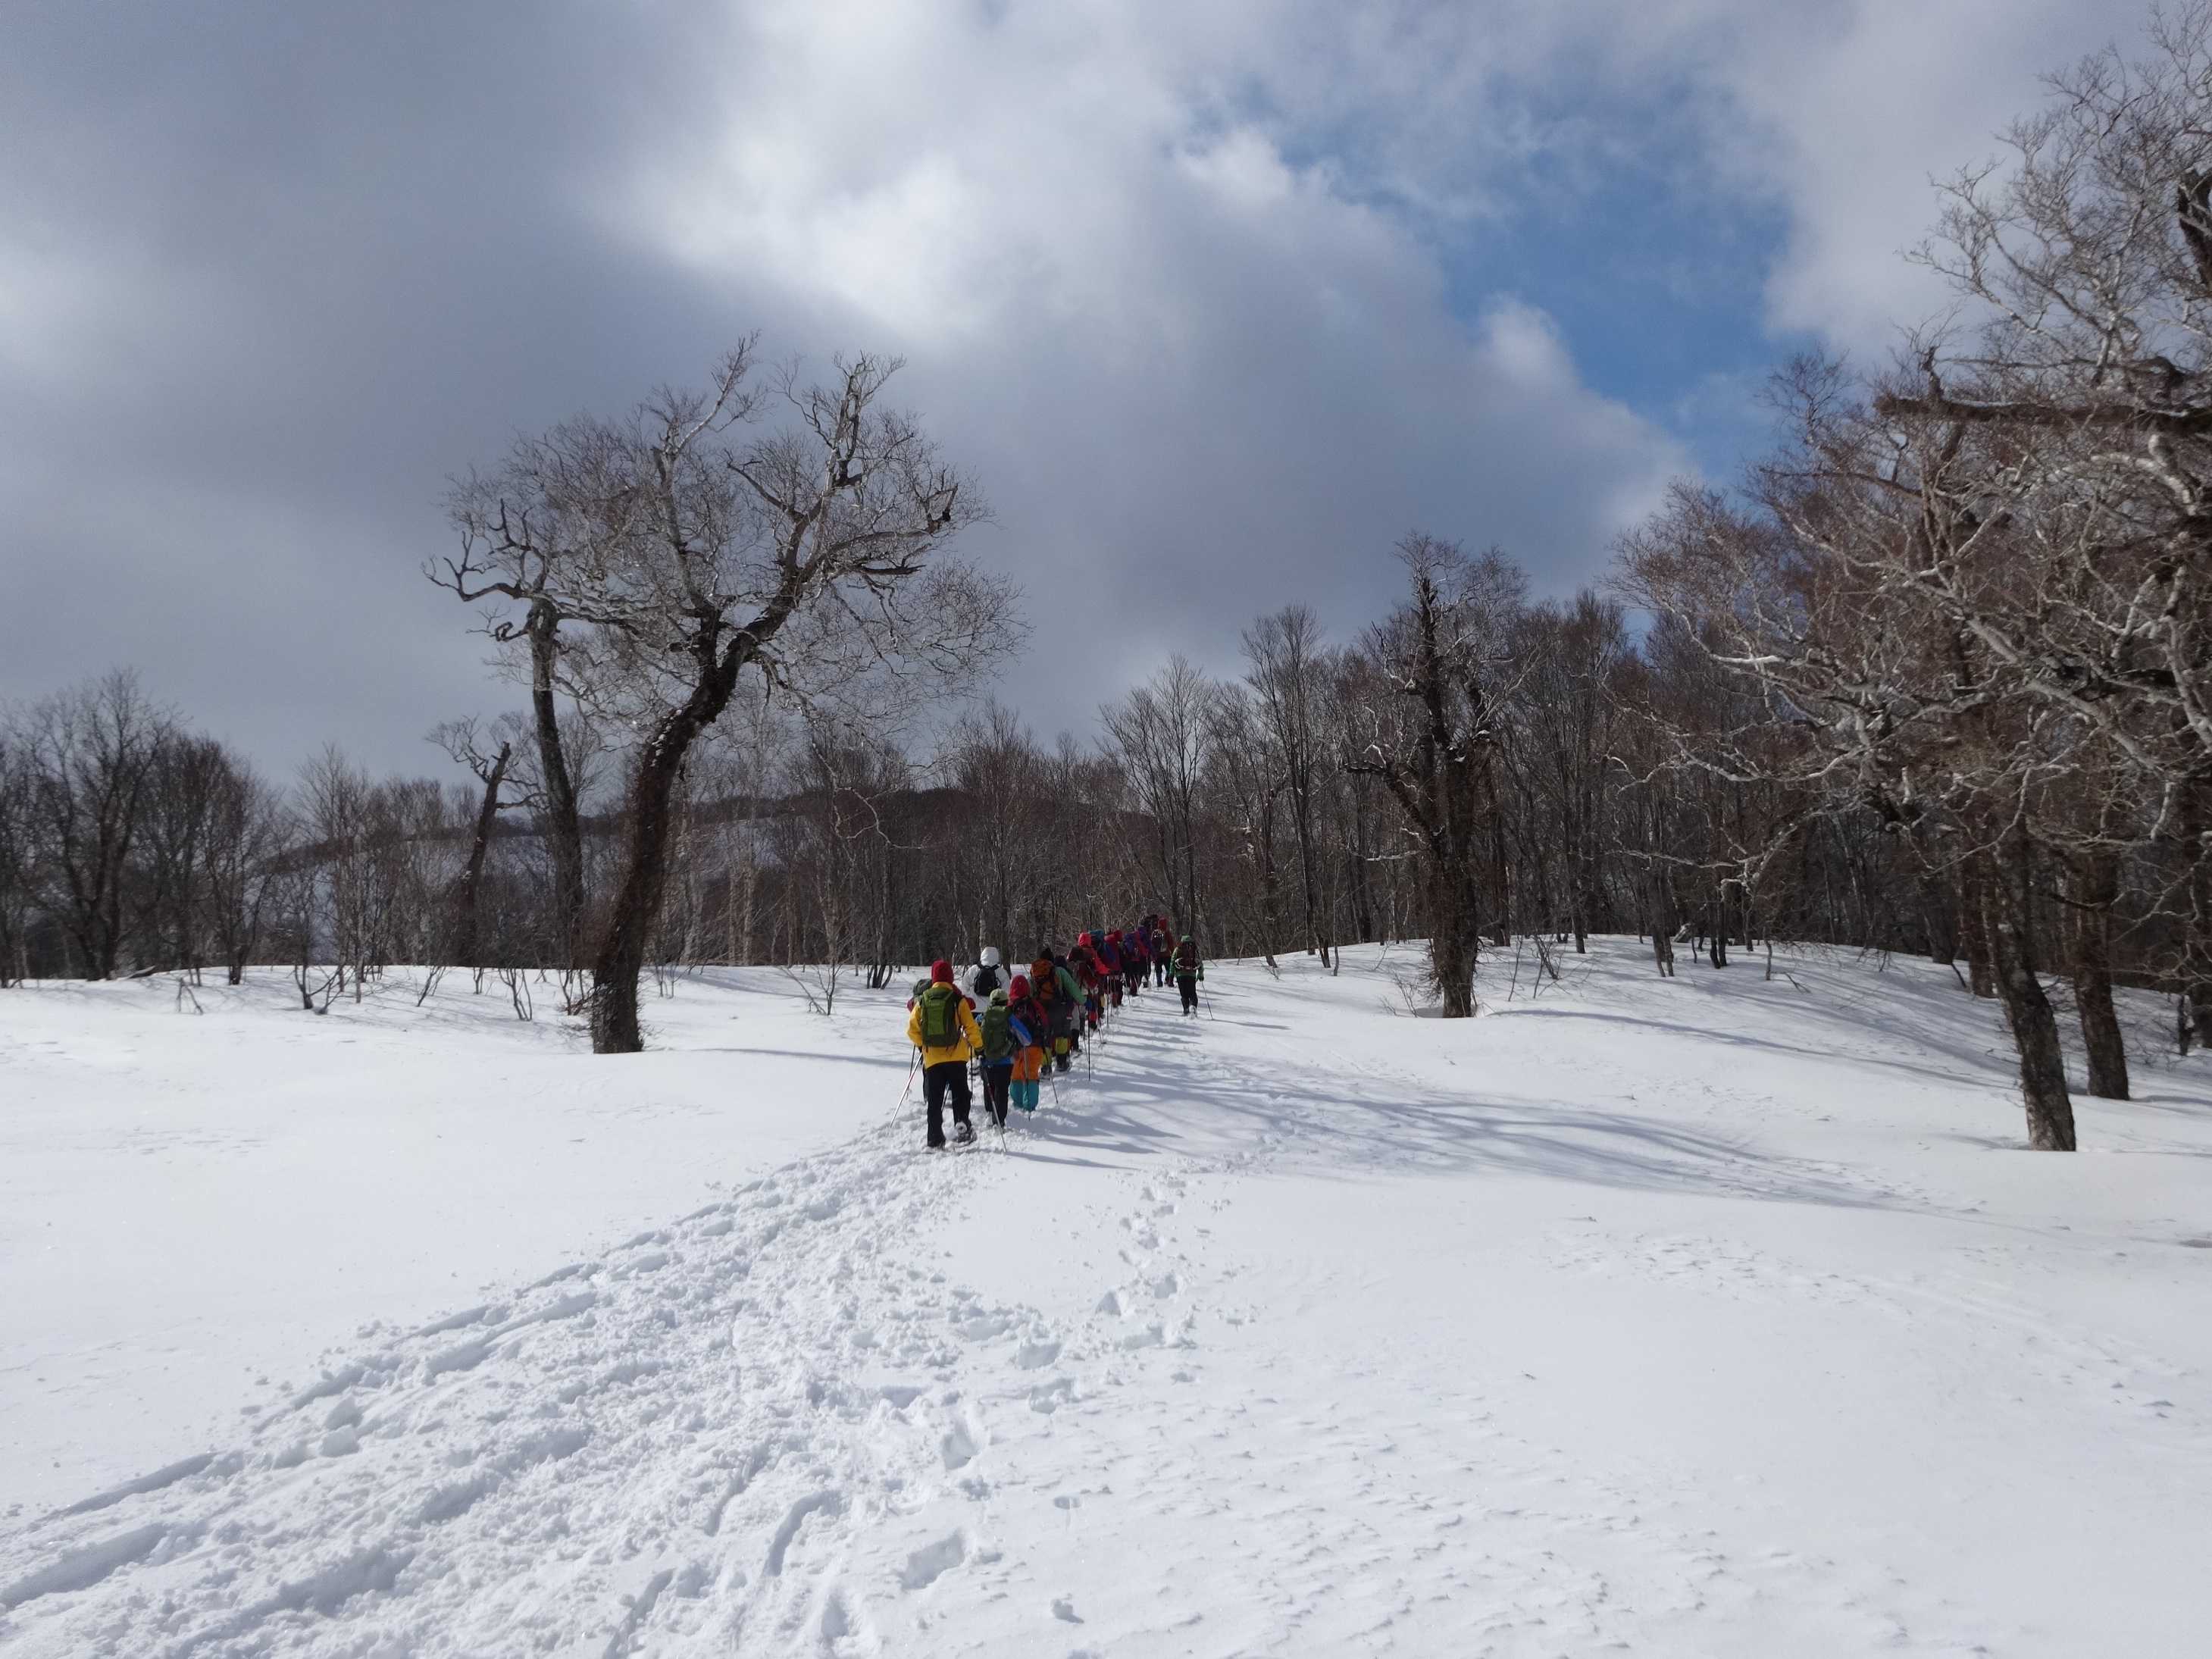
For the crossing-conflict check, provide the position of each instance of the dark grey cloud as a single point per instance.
(1166, 276)
(277, 272)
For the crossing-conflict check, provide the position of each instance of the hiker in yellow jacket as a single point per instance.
(942, 1026)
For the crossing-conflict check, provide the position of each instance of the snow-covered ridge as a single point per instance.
(1720, 1314)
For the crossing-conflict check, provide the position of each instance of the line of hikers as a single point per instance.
(1034, 1019)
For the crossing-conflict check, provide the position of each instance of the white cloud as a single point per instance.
(1863, 109)
(1185, 283)
(1203, 359)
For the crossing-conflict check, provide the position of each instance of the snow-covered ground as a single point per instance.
(1716, 1315)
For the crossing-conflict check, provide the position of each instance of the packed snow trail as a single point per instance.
(1703, 1318)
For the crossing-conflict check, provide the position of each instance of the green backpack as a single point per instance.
(941, 1016)
(998, 1041)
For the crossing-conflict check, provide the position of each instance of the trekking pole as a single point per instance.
(912, 1067)
(1208, 995)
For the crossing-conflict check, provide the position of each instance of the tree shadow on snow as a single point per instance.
(1146, 1110)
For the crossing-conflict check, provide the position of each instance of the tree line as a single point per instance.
(1480, 769)
(1935, 676)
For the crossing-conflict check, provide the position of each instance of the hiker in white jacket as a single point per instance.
(986, 977)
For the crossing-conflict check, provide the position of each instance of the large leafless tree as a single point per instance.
(791, 529)
(1442, 654)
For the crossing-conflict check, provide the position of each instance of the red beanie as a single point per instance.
(941, 971)
(1020, 987)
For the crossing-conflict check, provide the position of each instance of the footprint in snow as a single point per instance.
(822, 1503)
(837, 1619)
(959, 1449)
(932, 1561)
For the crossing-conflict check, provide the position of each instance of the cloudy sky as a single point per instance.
(1218, 297)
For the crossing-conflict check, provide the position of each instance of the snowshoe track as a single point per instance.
(669, 1440)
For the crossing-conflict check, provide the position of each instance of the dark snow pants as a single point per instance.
(997, 1087)
(1188, 984)
(935, 1080)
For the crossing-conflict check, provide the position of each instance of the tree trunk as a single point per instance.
(633, 906)
(1501, 892)
(2096, 889)
(466, 892)
(1937, 922)
(2010, 927)
(2196, 950)
(1456, 931)
(649, 820)
(1270, 886)
(564, 833)
(1302, 805)
(1973, 925)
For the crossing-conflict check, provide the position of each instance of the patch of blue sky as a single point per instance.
(1615, 222)
(1658, 295)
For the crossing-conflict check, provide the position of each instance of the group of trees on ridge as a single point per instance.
(1935, 677)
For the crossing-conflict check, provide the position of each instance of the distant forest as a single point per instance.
(1934, 676)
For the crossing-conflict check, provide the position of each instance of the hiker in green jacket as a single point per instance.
(997, 1056)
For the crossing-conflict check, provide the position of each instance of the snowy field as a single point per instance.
(1720, 1316)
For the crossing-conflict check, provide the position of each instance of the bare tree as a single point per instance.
(1559, 758)
(1290, 667)
(996, 767)
(2080, 365)
(16, 897)
(186, 785)
(1158, 732)
(250, 837)
(529, 528)
(1871, 701)
(805, 554)
(459, 738)
(1247, 770)
(1443, 657)
(91, 754)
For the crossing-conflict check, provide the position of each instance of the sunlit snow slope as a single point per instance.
(1717, 1315)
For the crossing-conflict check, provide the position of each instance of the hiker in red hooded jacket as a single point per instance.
(1035, 1035)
